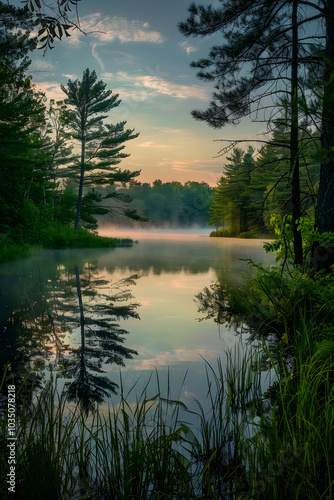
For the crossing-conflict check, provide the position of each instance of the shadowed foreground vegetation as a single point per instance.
(245, 441)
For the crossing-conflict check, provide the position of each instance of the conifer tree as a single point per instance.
(101, 144)
(21, 113)
(258, 61)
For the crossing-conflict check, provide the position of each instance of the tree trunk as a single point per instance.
(294, 151)
(82, 175)
(323, 258)
(81, 309)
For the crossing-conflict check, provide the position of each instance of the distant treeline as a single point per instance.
(166, 203)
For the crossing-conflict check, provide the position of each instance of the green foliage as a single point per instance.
(12, 251)
(233, 198)
(53, 20)
(252, 191)
(223, 232)
(253, 233)
(21, 114)
(250, 32)
(63, 237)
(311, 238)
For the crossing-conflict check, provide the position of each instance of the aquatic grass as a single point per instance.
(241, 442)
(292, 454)
(44, 448)
(137, 453)
(225, 422)
(47, 437)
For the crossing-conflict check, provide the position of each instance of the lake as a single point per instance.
(85, 316)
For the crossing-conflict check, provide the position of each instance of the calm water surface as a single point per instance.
(87, 315)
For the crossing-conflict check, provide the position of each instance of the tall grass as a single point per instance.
(45, 449)
(292, 455)
(244, 441)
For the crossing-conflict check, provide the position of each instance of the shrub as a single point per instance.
(12, 251)
(223, 232)
(58, 236)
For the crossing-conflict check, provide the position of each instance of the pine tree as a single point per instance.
(101, 144)
(258, 61)
(22, 111)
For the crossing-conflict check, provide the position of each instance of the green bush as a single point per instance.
(223, 232)
(58, 236)
(252, 233)
(12, 251)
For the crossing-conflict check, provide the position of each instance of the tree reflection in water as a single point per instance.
(42, 309)
(101, 336)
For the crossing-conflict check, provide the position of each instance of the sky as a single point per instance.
(135, 47)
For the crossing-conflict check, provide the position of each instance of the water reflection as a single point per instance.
(101, 336)
(74, 310)
(70, 315)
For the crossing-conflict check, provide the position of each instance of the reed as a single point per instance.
(292, 454)
(245, 441)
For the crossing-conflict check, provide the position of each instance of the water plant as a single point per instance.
(251, 437)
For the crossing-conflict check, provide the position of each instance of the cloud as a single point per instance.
(96, 56)
(154, 84)
(40, 66)
(160, 86)
(71, 76)
(197, 165)
(151, 144)
(168, 130)
(108, 29)
(52, 90)
(188, 48)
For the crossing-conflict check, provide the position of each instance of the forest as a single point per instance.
(54, 154)
(166, 204)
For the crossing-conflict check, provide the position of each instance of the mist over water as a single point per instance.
(171, 267)
(140, 231)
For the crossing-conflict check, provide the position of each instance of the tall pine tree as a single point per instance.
(101, 144)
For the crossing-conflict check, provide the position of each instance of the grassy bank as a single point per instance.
(244, 443)
(58, 239)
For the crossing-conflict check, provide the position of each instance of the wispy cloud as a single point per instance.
(168, 130)
(154, 84)
(52, 90)
(197, 165)
(152, 144)
(95, 54)
(71, 76)
(161, 86)
(40, 66)
(107, 29)
(187, 47)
